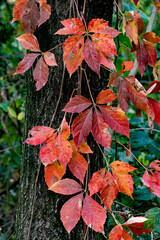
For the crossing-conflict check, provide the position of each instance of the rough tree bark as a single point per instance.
(40, 219)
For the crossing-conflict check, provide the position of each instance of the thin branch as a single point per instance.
(139, 129)
(88, 86)
(54, 47)
(60, 95)
(34, 201)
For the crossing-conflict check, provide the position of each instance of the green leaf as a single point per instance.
(4, 106)
(154, 215)
(124, 40)
(143, 194)
(12, 112)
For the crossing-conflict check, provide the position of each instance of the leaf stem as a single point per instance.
(54, 47)
(118, 7)
(88, 87)
(132, 155)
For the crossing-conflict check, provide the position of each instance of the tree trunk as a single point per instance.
(40, 219)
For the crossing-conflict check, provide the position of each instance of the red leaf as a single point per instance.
(96, 182)
(151, 37)
(152, 182)
(45, 12)
(135, 1)
(153, 87)
(26, 63)
(116, 119)
(66, 186)
(104, 43)
(29, 42)
(127, 66)
(92, 56)
(126, 235)
(65, 129)
(38, 135)
(100, 130)
(109, 190)
(136, 225)
(82, 126)
(111, 32)
(105, 96)
(147, 178)
(93, 214)
(156, 109)
(155, 165)
(114, 79)
(55, 148)
(40, 74)
(18, 10)
(97, 25)
(53, 173)
(120, 166)
(77, 104)
(72, 53)
(78, 166)
(71, 212)
(152, 53)
(116, 233)
(74, 25)
(50, 59)
(63, 31)
(142, 58)
(127, 92)
(30, 16)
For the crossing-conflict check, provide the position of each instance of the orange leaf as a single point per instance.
(71, 212)
(136, 224)
(55, 148)
(126, 235)
(74, 26)
(29, 42)
(50, 59)
(93, 214)
(26, 63)
(66, 186)
(53, 173)
(151, 37)
(109, 190)
(104, 43)
(114, 79)
(78, 166)
(97, 25)
(105, 96)
(18, 9)
(126, 66)
(72, 53)
(84, 148)
(132, 33)
(40, 74)
(65, 129)
(122, 167)
(100, 130)
(96, 181)
(116, 233)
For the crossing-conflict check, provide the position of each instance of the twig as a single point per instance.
(149, 29)
(34, 201)
(60, 95)
(139, 129)
(54, 47)
(88, 87)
